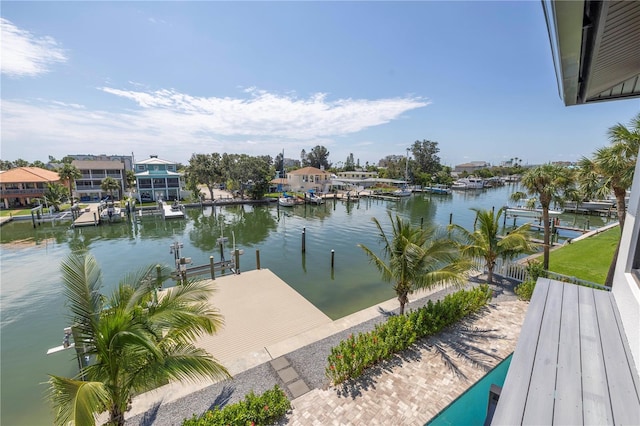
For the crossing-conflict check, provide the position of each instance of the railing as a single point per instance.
(518, 272)
(22, 191)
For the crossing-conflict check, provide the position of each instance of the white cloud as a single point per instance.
(24, 54)
(176, 125)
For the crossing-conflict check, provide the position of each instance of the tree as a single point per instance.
(130, 179)
(548, 182)
(69, 173)
(39, 164)
(21, 163)
(318, 157)
(136, 341)
(109, 185)
(416, 258)
(611, 170)
(425, 158)
(54, 194)
(303, 158)
(484, 241)
(205, 169)
(349, 165)
(248, 173)
(278, 163)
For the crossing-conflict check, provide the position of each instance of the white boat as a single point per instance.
(402, 192)
(468, 183)
(287, 200)
(438, 189)
(111, 213)
(312, 198)
(532, 213)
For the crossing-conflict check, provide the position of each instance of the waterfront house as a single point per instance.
(357, 175)
(89, 186)
(578, 355)
(20, 186)
(471, 167)
(158, 179)
(307, 178)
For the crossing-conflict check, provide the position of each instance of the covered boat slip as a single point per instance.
(572, 363)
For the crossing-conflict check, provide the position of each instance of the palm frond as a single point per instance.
(77, 402)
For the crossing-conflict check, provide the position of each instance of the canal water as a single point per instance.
(33, 314)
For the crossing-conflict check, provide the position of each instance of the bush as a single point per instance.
(255, 410)
(525, 289)
(352, 356)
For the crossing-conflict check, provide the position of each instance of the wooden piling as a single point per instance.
(421, 222)
(237, 258)
(450, 218)
(304, 248)
(333, 255)
(213, 268)
(258, 259)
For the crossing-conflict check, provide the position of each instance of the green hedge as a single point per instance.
(351, 357)
(256, 410)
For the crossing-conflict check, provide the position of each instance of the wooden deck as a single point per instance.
(89, 216)
(572, 363)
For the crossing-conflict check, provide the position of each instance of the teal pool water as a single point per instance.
(470, 408)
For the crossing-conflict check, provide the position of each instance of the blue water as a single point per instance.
(470, 408)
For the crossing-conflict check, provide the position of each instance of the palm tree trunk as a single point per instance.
(403, 299)
(490, 273)
(547, 231)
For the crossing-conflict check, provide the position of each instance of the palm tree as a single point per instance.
(54, 195)
(548, 182)
(136, 341)
(130, 179)
(70, 173)
(611, 170)
(485, 241)
(110, 184)
(416, 258)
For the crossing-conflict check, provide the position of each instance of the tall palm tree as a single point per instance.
(416, 258)
(130, 179)
(486, 242)
(69, 173)
(109, 184)
(548, 182)
(136, 341)
(611, 170)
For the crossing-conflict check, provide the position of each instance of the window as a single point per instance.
(173, 183)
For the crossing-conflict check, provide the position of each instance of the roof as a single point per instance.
(155, 160)
(28, 174)
(279, 181)
(572, 363)
(98, 164)
(147, 173)
(309, 171)
(596, 49)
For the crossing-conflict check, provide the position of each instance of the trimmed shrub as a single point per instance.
(352, 356)
(525, 289)
(254, 410)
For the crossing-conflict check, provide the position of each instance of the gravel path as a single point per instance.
(309, 361)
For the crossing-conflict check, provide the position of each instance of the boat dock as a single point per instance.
(90, 216)
(171, 211)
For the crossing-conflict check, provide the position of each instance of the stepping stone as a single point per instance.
(288, 374)
(298, 388)
(279, 363)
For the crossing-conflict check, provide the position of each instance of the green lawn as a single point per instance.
(588, 259)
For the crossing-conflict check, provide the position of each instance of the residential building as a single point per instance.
(158, 179)
(578, 355)
(471, 167)
(309, 178)
(21, 186)
(89, 186)
(359, 174)
(127, 160)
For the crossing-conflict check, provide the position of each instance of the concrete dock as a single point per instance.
(90, 216)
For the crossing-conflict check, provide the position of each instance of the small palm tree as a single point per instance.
(70, 174)
(130, 179)
(54, 195)
(416, 258)
(548, 182)
(109, 184)
(486, 242)
(136, 341)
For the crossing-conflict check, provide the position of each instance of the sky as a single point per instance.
(369, 78)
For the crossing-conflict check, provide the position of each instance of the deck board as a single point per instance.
(543, 380)
(519, 374)
(595, 392)
(568, 405)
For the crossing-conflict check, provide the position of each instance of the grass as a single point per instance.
(588, 259)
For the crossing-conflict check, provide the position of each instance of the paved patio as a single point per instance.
(412, 389)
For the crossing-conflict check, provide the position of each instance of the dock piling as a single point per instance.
(304, 248)
(258, 259)
(333, 255)
(213, 269)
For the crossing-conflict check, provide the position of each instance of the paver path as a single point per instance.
(412, 389)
